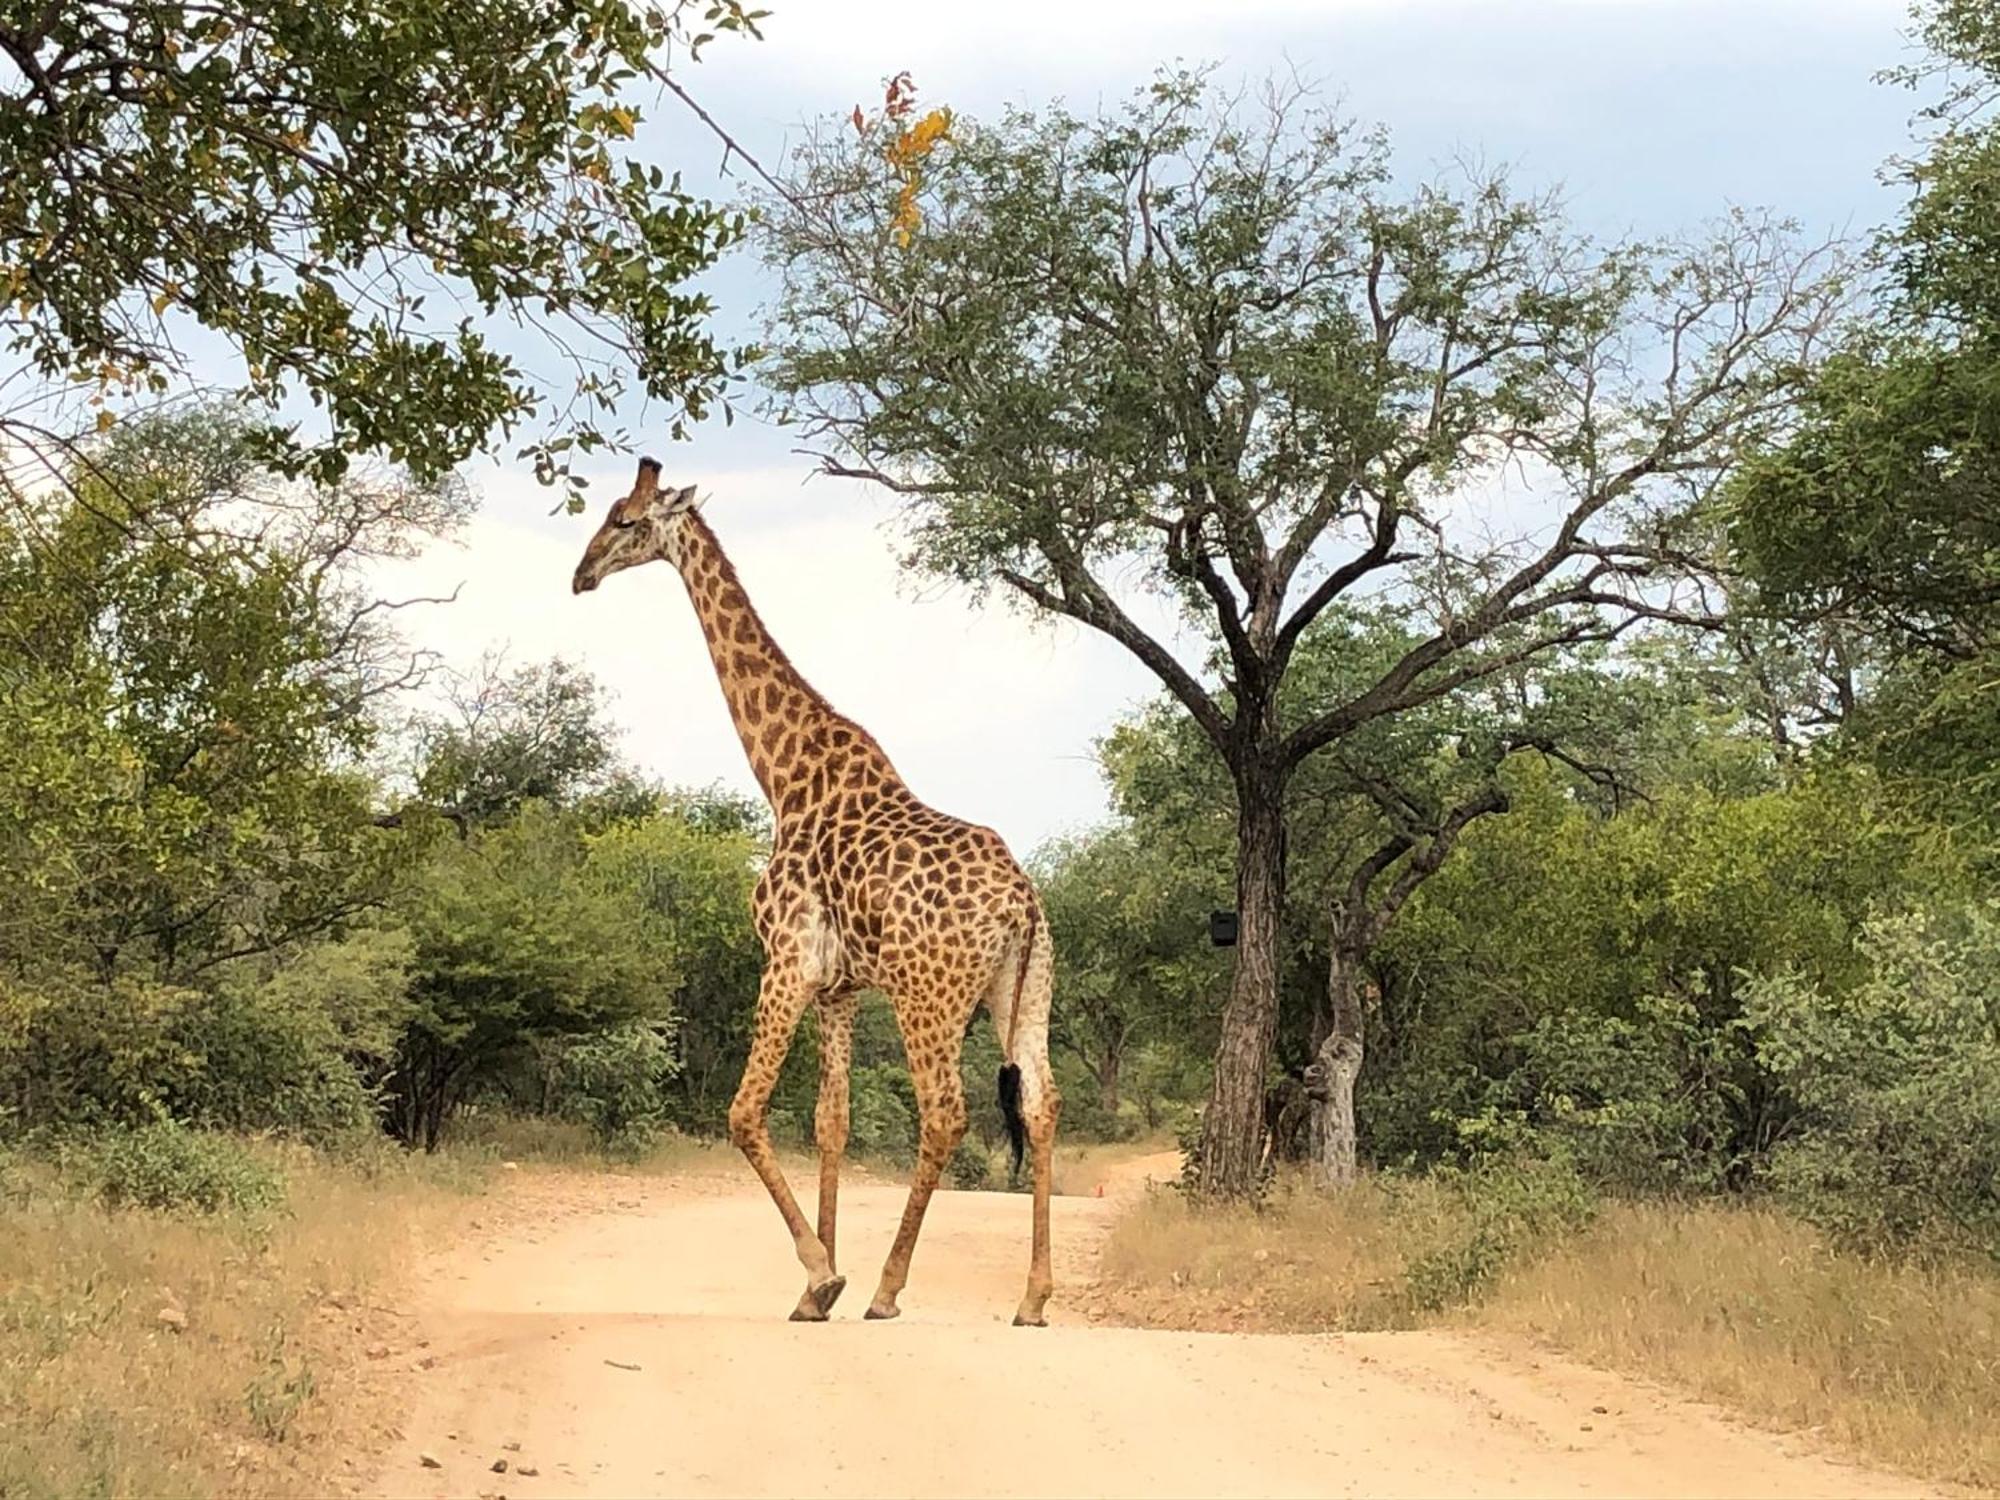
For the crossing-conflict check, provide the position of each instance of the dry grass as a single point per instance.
(492, 1138)
(1752, 1309)
(1302, 1262)
(266, 1387)
(1745, 1307)
(258, 1391)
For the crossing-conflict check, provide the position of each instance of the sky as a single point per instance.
(1651, 116)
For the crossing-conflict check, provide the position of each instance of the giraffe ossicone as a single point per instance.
(866, 888)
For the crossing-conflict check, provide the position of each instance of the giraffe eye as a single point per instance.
(626, 523)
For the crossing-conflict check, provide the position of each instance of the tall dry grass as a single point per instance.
(1299, 1262)
(1896, 1362)
(146, 1353)
(1752, 1309)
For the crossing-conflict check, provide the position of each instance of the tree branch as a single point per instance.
(1083, 600)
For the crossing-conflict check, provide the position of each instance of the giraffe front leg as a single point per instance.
(941, 1111)
(781, 1000)
(830, 1121)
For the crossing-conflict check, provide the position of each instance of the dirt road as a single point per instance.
(625, 1337)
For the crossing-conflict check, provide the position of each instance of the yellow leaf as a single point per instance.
(104, 420)
(907, 216)
(928, 131)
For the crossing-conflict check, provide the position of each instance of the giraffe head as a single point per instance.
(649, 523)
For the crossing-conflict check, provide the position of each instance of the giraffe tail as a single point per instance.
(1010, 1071)
(1010, 1112)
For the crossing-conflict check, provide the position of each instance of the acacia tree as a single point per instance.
(1205, 347)
(536, 733)
(1878, 523)
(1369, 821)
(341, 193)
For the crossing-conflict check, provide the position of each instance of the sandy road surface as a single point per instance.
(630, 1337)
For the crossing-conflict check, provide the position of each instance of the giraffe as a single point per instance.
(866, 888)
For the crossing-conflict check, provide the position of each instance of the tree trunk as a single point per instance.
(1335, 1067)
(1107, 1085)
(1232, 1128)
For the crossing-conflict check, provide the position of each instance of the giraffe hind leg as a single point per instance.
(830, 1124)
(1043, 1109)
(1039, 1105)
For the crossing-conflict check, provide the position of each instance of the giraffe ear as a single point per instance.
(687, 499)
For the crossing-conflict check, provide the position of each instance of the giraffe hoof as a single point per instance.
(1022, 1320)
(818, 1301)
(879, 1314)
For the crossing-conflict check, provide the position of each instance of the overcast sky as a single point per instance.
(1652, 115)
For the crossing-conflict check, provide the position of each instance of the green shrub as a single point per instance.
(971, 1167)
(882, 1112)
(615, 1082)
(279, 1046)
(1900, 1083)
(1637, 1105)
(278, 1391)
(170, 1167)
(77, 1053)
(261, 1063)
(1499, 1210)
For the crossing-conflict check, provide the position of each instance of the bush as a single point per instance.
(971, 1167)
(168, 1166)
(13, 1181)
(882, 1114)
(75, 1053)
(1636, 1106)
(263, 1064)
(1500, 1210)
(1900, 1082)
(615, 1082)
(279, 1046)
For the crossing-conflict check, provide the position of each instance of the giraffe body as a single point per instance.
(867, 888)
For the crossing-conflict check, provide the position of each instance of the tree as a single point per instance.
(190, 661)
(1202, 347)
(536, 733)
(1880, 517)
(689, 867)
(1133, 961)
(191, 879)
(1369, 823)
(347, 195)
(521, 932)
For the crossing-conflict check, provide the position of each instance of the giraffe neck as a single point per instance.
(801, 751)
